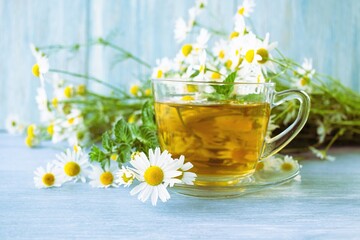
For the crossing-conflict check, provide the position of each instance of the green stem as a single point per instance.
(90, 78)
(127, 54)
(338, 134)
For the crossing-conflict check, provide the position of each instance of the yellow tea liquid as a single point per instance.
(220, 140)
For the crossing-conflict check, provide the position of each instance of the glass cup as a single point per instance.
(221, 127)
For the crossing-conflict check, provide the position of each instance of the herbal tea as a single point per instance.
(220, 140)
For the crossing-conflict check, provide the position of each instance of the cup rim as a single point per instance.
(178, 80)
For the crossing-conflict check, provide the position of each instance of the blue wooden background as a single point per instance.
(326, 30)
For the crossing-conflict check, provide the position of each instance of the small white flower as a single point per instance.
(220, 50)
(13, 125)
(306, 68)
(181, 30)
(270, 164)
(42, 63)
(74, 164)
(201, 40)
(187, 177)
(49, 177)
(322, 154)
(104, 178)
(163, 66)
(246, 8)
(288, 164)
(125, 176)
(155, 174)
(42, 101)
(201, 67)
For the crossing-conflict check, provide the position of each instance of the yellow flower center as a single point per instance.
(147, 92)
(191, 87)
(264, 55)
(48, 179)
(154, 175)
(202, 68)
(304, 81)
(106, 178)
(134, 154)
(215, 75)
(186, 49)
(234, 35)
(132, 118)
(71, 120)
(127, 179)
(241, 11)
(72, 169)
(188, 98)
(159, 74)
(36, 70)
(81, 89)
(50, 129)
(114, 156)
(55, 102)
(76, 148)
(13, 123)
(68, 91)
(287, 167)
(31, 130)
(30, 141)
(249, 56)
(221, 54)
(228, 63)
(134, 89)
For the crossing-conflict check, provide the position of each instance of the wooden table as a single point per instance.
(325, 205)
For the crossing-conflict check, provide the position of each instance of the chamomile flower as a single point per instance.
(74, 164)
(201, 40)
(181, 30)
(246, 8)
(220, 50)
(13, 125)
(270, 164)
(42, 102)
(263, 51)
(186, 177)
(201, 68)
(288, 164)
(49, 177)
(321, 154)
(163, 66)
(42, 64)
(306, 68)
(104, 178)
(155, 174)
(125, 176)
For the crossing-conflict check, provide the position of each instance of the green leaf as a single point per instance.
(124, 152)
(227, 88)
(148, 114)
(123, 132)
(195, 74)
(253, 97)
(107, 142)
(96, 155)
(148, 137)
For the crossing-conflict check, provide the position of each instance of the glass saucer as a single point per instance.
(258, 181)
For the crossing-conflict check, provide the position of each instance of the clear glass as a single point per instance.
(221, 128)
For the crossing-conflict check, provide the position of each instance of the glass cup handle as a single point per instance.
(275, 144)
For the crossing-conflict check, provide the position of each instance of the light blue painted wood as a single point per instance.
(325, 205)
(326, 30)
(42, 23)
